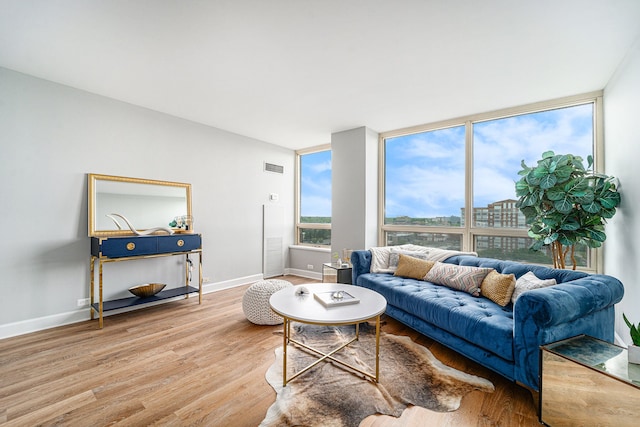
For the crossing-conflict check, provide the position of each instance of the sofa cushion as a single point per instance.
(413, 268)
(474, 319)
(462, 278)
(498, 287)
(528, 282)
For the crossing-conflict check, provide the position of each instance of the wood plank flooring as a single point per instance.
(184, 364)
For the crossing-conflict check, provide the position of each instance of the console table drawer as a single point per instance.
(116, 247)
(130, 246)
(179, 243)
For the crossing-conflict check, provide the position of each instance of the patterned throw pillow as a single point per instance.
(413, 268)
(498, 287)
(459, 277)
(528, 282)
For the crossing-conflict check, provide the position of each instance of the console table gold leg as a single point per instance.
(186, 275)
(100, 294)
(92, 270)
(200, 276)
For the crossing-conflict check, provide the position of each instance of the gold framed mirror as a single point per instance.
(145, 203)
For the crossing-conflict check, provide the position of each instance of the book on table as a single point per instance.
(335, 298)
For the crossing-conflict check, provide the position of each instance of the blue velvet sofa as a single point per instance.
(504, 339)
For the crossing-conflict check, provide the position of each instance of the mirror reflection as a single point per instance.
(146, 204)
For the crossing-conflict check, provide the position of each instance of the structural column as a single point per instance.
(354, 168)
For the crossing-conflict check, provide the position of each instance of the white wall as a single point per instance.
(51, 136)
(622, 151)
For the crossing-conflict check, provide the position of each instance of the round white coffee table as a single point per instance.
(307, 308)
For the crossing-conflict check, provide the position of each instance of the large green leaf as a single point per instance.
(608, 213)
(548, 181)
(548, 154)
(598, 235)
(610, 200)
(576, 184)
(563, 173)
(585, 197)
(563, 205)
(532, 179)
(592, 207)
(570, 225)
(555, 193)
(522, 188)
(530, 199)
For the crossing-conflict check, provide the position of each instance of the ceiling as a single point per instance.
(293, 72)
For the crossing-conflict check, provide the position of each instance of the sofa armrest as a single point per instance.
(360, 264)
(569, 301)
(541, 316)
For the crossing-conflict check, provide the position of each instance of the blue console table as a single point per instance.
(128, 248)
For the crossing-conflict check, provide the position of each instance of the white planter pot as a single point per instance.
(634, 354)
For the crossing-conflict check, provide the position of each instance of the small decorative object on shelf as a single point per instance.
(335, 298)
(634, 348)
(346, 256)
(147, 290)
(184, 222)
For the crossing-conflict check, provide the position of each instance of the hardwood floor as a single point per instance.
(183, 364)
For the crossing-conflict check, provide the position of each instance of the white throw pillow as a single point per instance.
(527, 282)
(394, 257)
(380, 260)
(380, 256)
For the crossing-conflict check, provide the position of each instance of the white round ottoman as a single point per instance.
(255, 302)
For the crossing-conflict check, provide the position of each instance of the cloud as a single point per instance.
(425, 172)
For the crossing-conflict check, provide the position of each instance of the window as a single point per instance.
(452, 186)
(424, 182)
(313, 225)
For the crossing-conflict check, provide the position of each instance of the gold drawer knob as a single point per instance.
(180, 242)
(131, 246)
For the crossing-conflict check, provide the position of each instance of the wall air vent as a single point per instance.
(270, 167)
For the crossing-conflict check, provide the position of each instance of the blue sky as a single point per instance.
(315, 184)
(425, 171)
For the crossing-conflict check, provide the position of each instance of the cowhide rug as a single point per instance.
(327, 395)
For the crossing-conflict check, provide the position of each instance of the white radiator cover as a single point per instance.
(273, 235)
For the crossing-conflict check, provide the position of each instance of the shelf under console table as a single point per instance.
(129, 248)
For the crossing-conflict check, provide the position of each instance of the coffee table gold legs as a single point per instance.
(324, 356)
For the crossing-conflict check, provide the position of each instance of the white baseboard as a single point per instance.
(227, 284)
(38, 324)
(304, 273)
(82, 315)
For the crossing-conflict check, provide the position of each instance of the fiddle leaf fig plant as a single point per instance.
(633, 330)
(565, 204)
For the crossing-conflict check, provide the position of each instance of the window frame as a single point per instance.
(299, 226)
(469, 231)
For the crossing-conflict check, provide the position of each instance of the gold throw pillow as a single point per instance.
(498, 287)
(413, 268)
